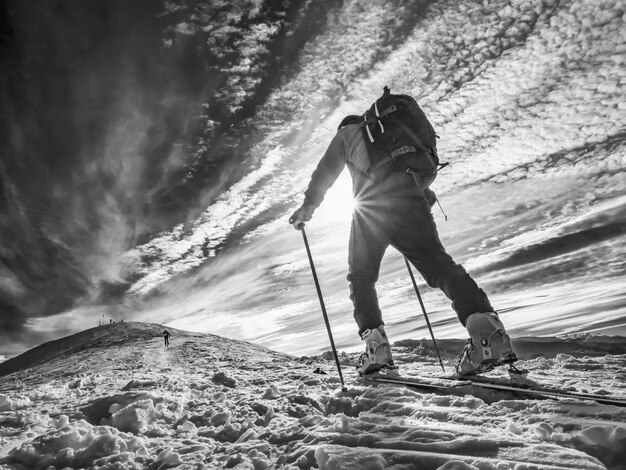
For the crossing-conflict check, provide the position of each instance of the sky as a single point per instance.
(152, 153)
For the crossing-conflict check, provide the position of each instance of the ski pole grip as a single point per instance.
(299, 226)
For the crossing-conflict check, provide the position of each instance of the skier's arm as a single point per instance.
(326, 173)
(328, 170)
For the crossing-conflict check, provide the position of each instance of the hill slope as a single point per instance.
(115, 397)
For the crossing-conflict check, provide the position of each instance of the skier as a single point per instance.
(166, 337)
(394, 208)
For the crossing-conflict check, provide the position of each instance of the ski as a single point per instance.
(465, 385)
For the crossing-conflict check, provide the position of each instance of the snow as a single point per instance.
(114, 397)
(5, 403)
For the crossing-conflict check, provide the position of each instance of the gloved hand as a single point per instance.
(300, 216)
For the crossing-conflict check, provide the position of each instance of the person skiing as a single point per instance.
(166, 337)
(393, 208)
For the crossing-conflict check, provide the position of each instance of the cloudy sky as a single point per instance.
(151, 153)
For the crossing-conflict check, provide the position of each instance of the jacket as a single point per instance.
(347, 148)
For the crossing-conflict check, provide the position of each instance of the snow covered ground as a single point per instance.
(113, 397)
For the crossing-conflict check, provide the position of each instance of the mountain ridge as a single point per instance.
(107, 335)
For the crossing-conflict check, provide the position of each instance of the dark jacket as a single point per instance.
(348, 149)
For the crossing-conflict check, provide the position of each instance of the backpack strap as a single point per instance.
(367, 127)
(382, 128)
(387, 111)
(366, 122)
(402, 150)
(395, 154)
(408, 149)
(379, 116)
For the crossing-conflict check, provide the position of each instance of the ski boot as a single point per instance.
(489, 345)
(377, 356)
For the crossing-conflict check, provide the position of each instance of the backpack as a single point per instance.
(399, 137)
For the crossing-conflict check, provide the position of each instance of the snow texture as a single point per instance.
(114, 397)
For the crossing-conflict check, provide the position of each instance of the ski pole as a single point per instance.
(419, 297)
(319, 294)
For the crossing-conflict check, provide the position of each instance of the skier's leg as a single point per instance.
(489, 344)
(367, 247)
(417, 239)
(365, 252)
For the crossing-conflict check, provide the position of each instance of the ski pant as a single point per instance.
(408, 226)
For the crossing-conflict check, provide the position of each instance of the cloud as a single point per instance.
(459, 60)
(182, 250)
(172, 158)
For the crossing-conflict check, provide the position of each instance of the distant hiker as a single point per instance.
(166, 337)
(391, 154)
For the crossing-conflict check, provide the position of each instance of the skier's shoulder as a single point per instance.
(349, 133)
(349, 129)
(349, 125)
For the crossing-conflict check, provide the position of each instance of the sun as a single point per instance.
(338, 203)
